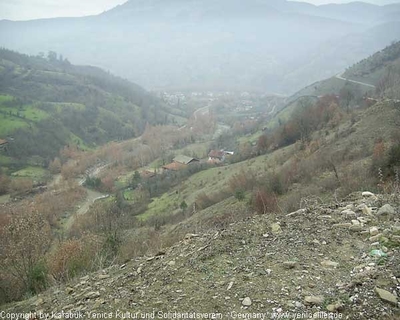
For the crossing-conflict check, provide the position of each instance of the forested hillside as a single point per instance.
(47, 103)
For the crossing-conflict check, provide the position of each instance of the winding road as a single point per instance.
(340, 77)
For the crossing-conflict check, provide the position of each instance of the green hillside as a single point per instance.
(361, 78)
(47, 103)
(372, 69)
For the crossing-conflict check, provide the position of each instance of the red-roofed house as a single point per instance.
(174, 166)
(216, 156)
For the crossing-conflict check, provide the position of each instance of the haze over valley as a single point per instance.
(277, 46)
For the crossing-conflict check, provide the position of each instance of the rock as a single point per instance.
(396, 227)
(373, 231)
(363, 220)
(300, 211)
(335, 307)
(248, 276)
(386, 296)
(69, 290)
(365, 209)
(290, 264)
(329, 264)
(368, 194)
(387, 209)
(314, 300)
(276, 228)
(355, 222)
(171, 263)
(38, 302)
(104, 276)
(324, 217)
(349, 213)
(356, 228)
(92, 294)
(246, 302)
(375, 237)
(395, 239)
(342, 225)
(191, 235)
(68, 307)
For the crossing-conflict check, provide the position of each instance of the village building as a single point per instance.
(180, 162)
(185, 160)
(218, 156)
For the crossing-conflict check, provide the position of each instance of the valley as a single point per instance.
(208, 194)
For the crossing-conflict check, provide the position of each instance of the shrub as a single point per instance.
(239, 195)
(26, 239)
(75, 257)
(263, 201)
(93, 182)
(183, 205)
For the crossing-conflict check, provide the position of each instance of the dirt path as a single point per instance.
(201, 110)
(84, 207)
(340, 76)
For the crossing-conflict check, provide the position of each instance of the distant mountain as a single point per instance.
(47, 103)
(206, 44)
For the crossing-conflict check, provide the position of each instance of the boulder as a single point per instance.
(314, 300)
(276, 228)
(246, 302)
(386, 296)
(373, 231)
(368, 194)
(329, 264)
(387, 209)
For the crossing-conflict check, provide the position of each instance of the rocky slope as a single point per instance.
(340, 260)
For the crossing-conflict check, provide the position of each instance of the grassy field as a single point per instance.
(34, 173)
(13, 118)
(198, 150)
(74, 139)
(164, 205)
(9, 123)
(62, 105)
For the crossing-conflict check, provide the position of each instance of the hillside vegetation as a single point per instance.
(47, 103)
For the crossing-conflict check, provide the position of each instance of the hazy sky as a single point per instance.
(34, 9)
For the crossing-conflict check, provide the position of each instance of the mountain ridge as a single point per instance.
(184, 44)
